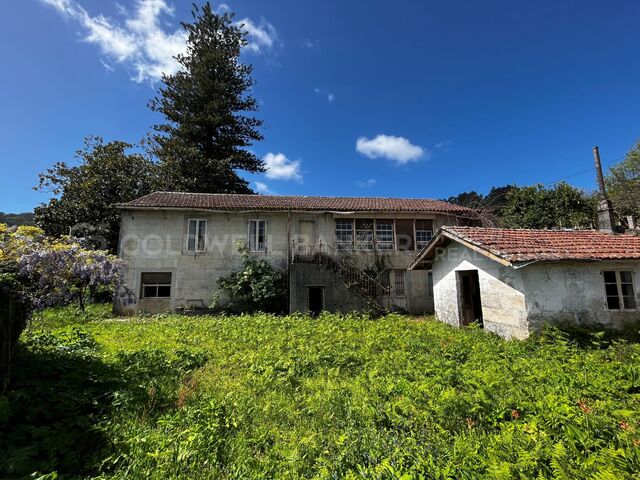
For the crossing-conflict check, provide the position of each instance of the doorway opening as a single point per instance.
(316, 300)
(469, 300)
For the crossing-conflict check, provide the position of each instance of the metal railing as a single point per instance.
(341, 263)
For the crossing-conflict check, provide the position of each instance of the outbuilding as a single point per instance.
(512, 281)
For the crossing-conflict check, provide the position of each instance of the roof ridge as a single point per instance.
(303, 196)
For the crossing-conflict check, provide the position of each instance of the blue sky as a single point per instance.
(412, 99)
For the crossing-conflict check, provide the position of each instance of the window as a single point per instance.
(399, 282)
(430, 283)
(257, 236)
(344, 234)
(384, 234)
(618, 286)
(196, 235)
(364, 234)
(424, 232)
(156, 285)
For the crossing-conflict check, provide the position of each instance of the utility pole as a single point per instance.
(605, 210)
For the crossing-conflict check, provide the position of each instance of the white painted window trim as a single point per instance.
(341, 244)
(378, 242)
(195, 245)
(619, 290)
(256, 243)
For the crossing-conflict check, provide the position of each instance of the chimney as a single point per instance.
(605, 210)
(631, 222)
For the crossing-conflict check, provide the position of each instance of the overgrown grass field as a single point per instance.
(339, 396)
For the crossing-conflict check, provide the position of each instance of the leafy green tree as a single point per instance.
(563, 206)
(86, 194)
(207, 131)
(623, 185)
(17, 219)
(489, 207)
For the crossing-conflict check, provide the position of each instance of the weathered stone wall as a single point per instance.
(337, 297)
(501, 291)
(574, 293)
(155, 241)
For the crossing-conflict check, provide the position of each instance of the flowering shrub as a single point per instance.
(59, 271)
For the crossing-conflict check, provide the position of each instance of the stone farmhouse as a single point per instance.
(513, 281)
(340, 253)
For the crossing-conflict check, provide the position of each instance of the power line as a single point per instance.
(591, 169)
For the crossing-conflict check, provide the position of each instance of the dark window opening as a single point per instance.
(619, 291)
(156, 285)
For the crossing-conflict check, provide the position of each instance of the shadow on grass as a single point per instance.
(50, 413)
(593, 337)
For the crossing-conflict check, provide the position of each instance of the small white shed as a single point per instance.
(512, 281)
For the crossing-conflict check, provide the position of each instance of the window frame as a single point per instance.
(155, 285)
(344, 244)
(420, 244)
(198, 221)
(389, 245)
(366, 244)
(257, 235)
(398, 273)
(620, 297)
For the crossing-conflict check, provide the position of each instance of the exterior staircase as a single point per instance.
(340, 263)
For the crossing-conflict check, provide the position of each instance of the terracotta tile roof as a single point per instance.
(226, 202)
(522, 245)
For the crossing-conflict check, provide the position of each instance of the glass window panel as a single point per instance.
(154, 277)
(422, 238)
(613, 303)
(627, 289)
(191, 236)
(384, 234)
(344, 232)
(202, 229)
(257, 235)
(611, 289)
(625, 277)
(364, 233)
(609, 277)
(252, 235)
(164, 291)
(629, 302)
(149, 291)
(261, 236)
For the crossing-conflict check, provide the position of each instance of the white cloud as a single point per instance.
(398, 149)
(370, 182)
(139, 41)
(106, 66)
(260, 37)
(279, 167)
(444, 145)
(262, 187)
(311, 44)
(330, 96)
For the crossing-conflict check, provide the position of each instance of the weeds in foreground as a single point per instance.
(339, 396)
